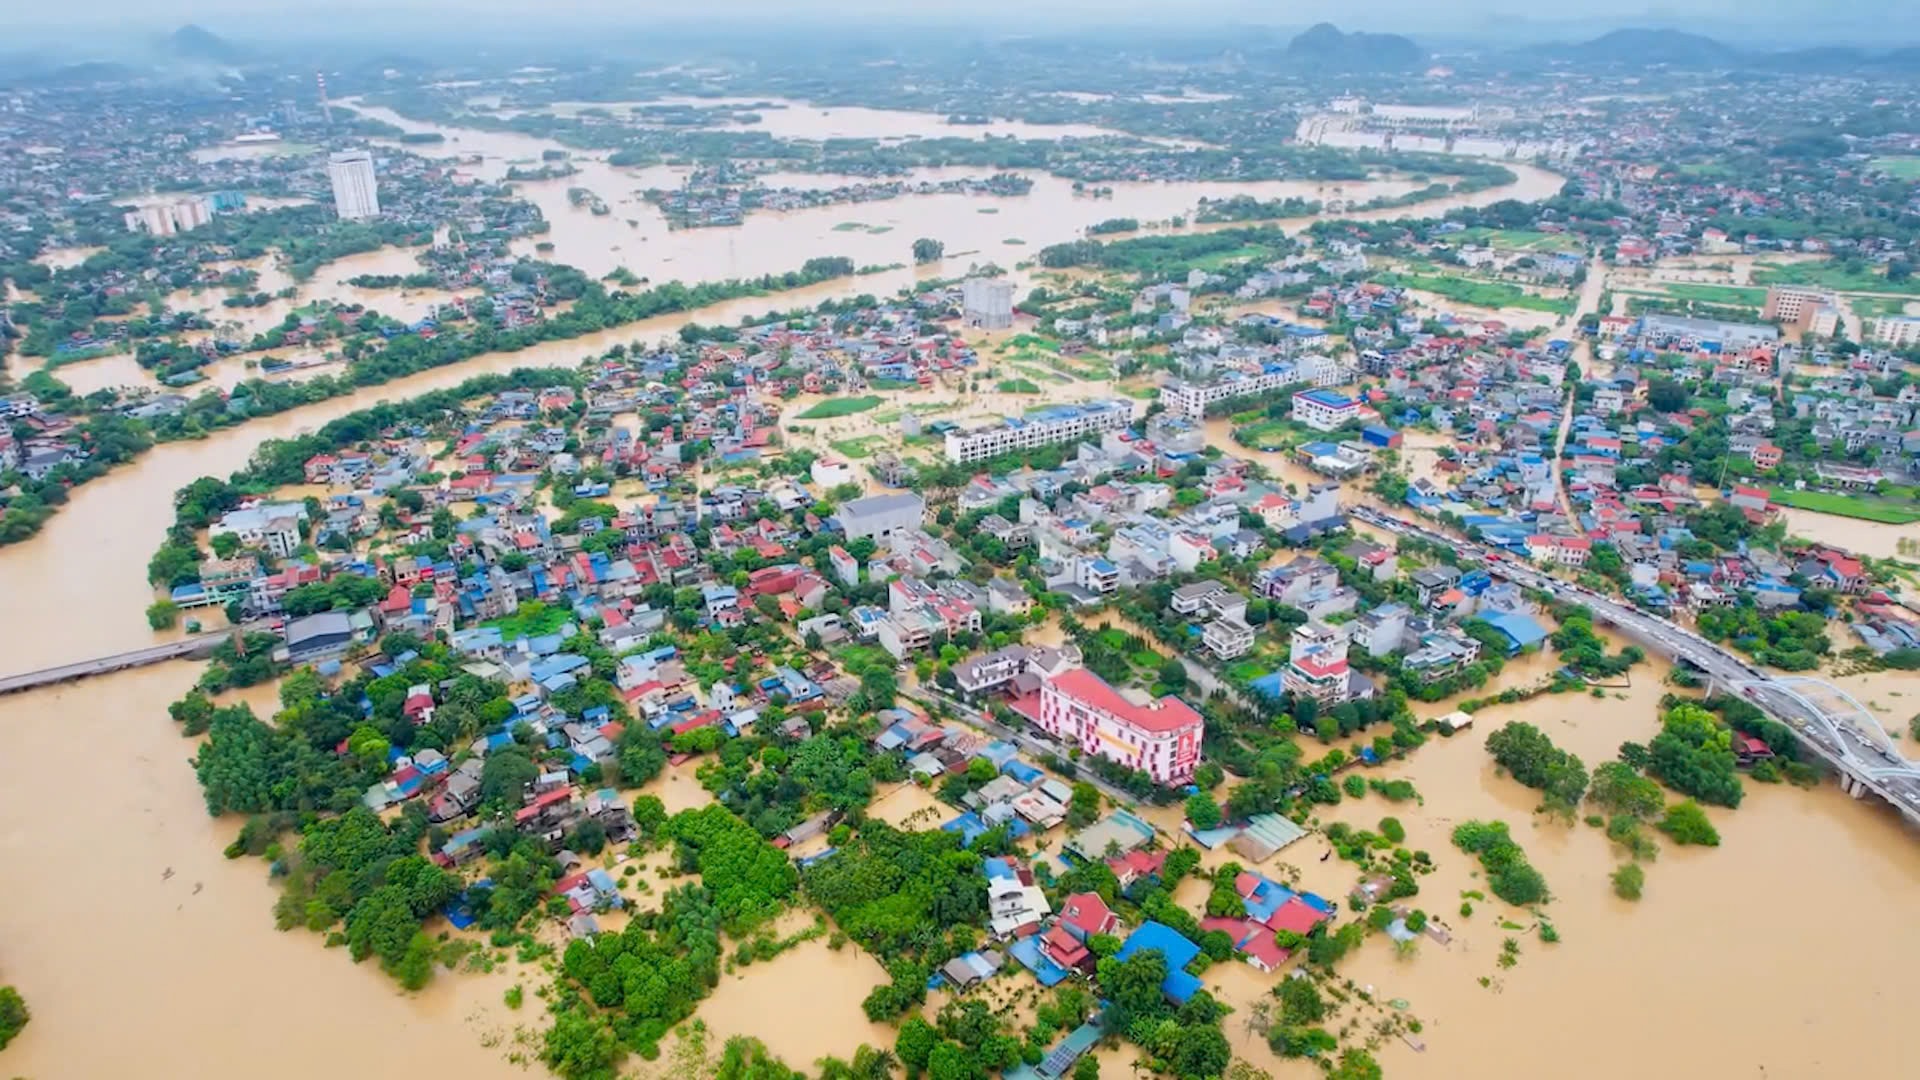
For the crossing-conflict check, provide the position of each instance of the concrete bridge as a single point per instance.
(191, 647)
(1831, 724)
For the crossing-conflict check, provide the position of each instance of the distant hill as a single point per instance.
(192, 42)
(1325, 48)
(1644, 47)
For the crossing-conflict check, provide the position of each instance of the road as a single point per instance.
(1582, 355)
(198, 646)
(1831, 724)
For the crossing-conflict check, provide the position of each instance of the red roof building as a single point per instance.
(1085, 914)
(1160, 738)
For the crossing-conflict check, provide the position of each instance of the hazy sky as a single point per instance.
(261, 19)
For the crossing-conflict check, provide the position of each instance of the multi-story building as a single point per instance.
(1897, 331)
(273, 527)
(1227, 638)
(1798, 305)
(881, 516)
(1559, 550)
(1317, 663)
(355, 193)
(1381, 630)
(1191, 398)
(987, 303)
(1041, 427)
(167, 218)
(1160, 738)
(1096, 575)
(1324, 410)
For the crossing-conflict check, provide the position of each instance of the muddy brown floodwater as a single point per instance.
(122, 915)
(974, 229)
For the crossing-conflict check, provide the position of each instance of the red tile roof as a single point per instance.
(1295, 915)
(1169, 714)
(1087, 913)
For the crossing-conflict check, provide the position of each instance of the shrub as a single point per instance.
(1628, 880)
(1688, 824)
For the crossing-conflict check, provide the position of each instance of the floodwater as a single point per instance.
(804, 1004)
(1876, 538)
(120, 904)
(1680, 962)
(636, 236)
(784, 118)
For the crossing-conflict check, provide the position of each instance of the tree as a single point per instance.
(1693, 754)
(1174, 675)
(1526, 752)
(163, 614)
(588, 837)
(926, 250)
(745, 1058)
(1355, 1064)
(1618, 789)
(504, 776)
(13, 1014)
(1087, 1068)
(1202, 812)
(1393, 830)
(1666, 395)
(1687, 823)
(1084, 808)
(1202, 1051)
(580, 1046)
(1133, 984)
(916, 1041)
(951, 1061)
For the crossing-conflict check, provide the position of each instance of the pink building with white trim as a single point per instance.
(1160, 738)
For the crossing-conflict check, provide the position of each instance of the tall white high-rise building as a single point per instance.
(354, 194)
(987, 303)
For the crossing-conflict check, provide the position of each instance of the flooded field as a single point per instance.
(636, 236)
(784, 118)
(1876, 538)
(910, 806)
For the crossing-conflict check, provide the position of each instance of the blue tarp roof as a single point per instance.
(1178, 951)
(1520, 630)
(968, 825)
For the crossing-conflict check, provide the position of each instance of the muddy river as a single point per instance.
(127, 909)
